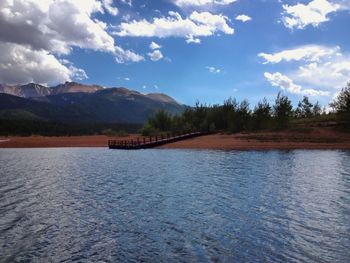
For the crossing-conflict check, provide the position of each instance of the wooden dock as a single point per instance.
(151, 141)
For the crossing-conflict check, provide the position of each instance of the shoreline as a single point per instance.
(319, 139)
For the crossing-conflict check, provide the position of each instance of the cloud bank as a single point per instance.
(314, 13)
(37, 32)
(279, 80)
(184, 3)
(198, 24)
(318, 70)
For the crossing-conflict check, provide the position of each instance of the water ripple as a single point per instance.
(97, 205)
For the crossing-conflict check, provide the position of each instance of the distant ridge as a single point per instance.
(30, 90)
(75, 102)
(72, 87)
(33, 90)
(161, 97)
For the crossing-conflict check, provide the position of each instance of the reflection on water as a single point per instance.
(174, 206)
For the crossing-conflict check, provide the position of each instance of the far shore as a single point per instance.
(320, 138)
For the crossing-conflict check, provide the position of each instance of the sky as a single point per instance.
(192, 50)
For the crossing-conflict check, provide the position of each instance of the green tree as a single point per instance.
(200, 117)
(161, 121)
(228, 114)
(148, 130)
(305, 108)
(317, 110)
(342, 104)
(262, 115)
(282, 111)
(187, 120)
(243, 116)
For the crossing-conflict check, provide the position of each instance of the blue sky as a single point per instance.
(205, 50)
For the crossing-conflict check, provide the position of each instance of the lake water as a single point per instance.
(88, 205)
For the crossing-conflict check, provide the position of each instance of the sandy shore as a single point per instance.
(254, 142)
(46, 142)
(318, 139)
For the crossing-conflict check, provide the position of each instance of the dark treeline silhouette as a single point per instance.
(234, 116)
(38, 127)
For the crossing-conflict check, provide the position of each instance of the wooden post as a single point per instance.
(144, 140)
(150, 138)
(156, 137)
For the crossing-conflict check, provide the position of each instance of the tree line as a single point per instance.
(234, 116)
(22, 127)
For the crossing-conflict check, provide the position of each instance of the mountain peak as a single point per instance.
(72, 102)
(161, 97)
(73, 87)
(33, 90)
(127, 91)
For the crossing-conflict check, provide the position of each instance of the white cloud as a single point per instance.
(243, 18)
(191, 39)
(122, 56)
(213, 70)
(54, 27)
(108, 5)
(127, 2)
(279, 80)
(332, 75)
(183, 3)
(20, 64)
(155, 55)
(212, 22)
(75, 73)
(154, 45)
(196, 25)
(308, 53)
(321, 67)
(314, 13)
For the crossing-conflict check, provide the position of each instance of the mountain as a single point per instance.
(77, 103)
(161, 97)
(33, 90)
(73, 87)
(30, 90)
(13, 107)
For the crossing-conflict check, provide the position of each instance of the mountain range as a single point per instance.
(73, 102)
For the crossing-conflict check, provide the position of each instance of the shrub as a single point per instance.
(148, 130)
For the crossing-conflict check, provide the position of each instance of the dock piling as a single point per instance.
(153, 142)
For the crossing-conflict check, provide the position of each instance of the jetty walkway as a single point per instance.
(151, 141)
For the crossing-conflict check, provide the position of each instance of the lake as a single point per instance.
(95, 204)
